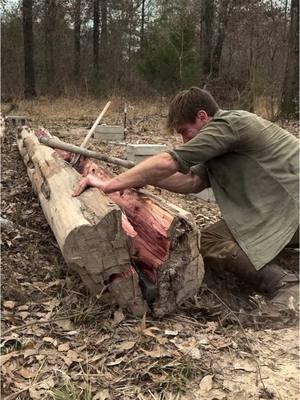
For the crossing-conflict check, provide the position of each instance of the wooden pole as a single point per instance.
(57, 144)
(91, 131)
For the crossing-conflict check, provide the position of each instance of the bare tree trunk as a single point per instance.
(142, 27)
(104, 26)
(96, 35)
(77, 28)
(50, 23)
(290, 94)
(222, 25)
(29, 76)
(207, 18)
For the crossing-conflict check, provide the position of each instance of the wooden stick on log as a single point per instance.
(58, 144)
(163, 239)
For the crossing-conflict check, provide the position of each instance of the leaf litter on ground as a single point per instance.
(61, 343)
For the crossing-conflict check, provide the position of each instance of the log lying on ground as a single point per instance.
(88, 229)
(166, 247)
(163, 239)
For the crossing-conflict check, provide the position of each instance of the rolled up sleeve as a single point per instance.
(215, 139)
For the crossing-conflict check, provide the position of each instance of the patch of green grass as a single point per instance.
(176, 377)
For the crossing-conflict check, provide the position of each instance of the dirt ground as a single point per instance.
(59, 343)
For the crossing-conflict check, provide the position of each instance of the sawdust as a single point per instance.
(57, 341)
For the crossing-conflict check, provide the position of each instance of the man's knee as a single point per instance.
(216, 241)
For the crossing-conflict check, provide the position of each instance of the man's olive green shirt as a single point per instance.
(252, 166)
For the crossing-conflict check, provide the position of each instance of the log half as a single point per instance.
(89, 229)
(166, 247)
(163, 240)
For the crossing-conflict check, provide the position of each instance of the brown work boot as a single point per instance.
(286, 299)
(273, 281)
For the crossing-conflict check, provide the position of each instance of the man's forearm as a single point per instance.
(154, 168)
(181, 183)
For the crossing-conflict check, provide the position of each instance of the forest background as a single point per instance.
(244, 51)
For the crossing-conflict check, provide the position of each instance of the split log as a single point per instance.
(88, 229)
(167, 245)
(163, 239)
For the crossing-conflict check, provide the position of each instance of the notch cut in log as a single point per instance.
(163, 240)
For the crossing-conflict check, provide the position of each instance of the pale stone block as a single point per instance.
(138, 152)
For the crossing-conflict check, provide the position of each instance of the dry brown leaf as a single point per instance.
(23, 314)
(30, 352)
(118, 317)
(20, 384)
(40, 357)
(48, 339)
(26, 373)
(71, 357)
(162, 340)
(171, 333)
(116, 362)
(96, 358)
(6, 357)
(244, 365)
(63, 347)
(40, 390)
(24, 307)
(195, 353)
(36, 394)
(206, 384)
(148, 331)
(158, 352)
(65, 324)
(71, 333)
(47, 383)
(102, 339)
(9, 304)
(102, 395)
(127, 345)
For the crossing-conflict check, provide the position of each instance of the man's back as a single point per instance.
(252, 166)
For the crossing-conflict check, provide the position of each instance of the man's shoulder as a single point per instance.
(233, 115)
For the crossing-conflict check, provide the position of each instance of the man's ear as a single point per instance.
(202, 115)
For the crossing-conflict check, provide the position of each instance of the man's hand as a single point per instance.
(89, 180)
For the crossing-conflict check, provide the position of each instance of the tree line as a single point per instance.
(238, 49)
